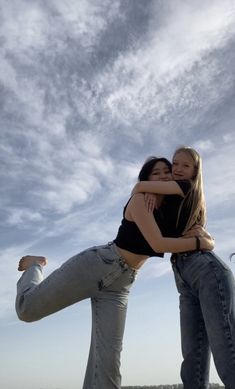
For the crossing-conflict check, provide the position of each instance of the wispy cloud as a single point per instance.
(163, 75)
(219, 176)
(87, 94)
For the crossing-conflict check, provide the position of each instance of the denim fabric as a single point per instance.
(207, 315)
(97, 273)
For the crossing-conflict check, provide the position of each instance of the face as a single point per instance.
(160, 172)
(183, 167)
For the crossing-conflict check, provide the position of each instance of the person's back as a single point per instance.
(171, 218)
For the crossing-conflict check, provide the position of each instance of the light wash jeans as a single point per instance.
(207, 315)
(97, 273)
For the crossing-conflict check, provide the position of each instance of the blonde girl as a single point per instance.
(205, 283)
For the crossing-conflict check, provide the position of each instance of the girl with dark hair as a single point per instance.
(104, 274)
(149, 164)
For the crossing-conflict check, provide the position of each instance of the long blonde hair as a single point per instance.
(195, 199)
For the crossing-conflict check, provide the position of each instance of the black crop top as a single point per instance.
(129, 236)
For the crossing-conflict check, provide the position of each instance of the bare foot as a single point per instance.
(29, 260)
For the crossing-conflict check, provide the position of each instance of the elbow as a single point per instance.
(136, 189)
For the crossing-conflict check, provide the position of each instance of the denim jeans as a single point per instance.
(100, 274)
(207, 316)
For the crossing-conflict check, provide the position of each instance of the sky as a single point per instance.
(88, 90)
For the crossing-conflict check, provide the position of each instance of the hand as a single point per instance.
(198, 231)
(150, 201)
(207, 243)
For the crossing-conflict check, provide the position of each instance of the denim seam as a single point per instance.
(96, 336)
(225, 313)
(176, 269)
(199, 353)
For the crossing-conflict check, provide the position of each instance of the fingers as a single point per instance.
(197, 231)
(150, 201)
(191, 234)
(150, 205)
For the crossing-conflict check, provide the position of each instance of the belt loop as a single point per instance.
(123, 263)
(174, 258)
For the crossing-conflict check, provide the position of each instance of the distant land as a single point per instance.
(175, 386)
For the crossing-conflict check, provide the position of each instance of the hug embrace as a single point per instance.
(165, 213)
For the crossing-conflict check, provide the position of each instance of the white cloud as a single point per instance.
(23, 25)
(219, 175)
(31, 26)
(74, 137)
(204, 145)
(167, 72)
(87, 19)
(229, 137)
(22, 216)
(36, 42)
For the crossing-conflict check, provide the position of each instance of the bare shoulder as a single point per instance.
(135, 204)
(136, 199)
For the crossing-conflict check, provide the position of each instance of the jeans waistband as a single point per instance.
(122, 262)
(183, 255)
(108, 279)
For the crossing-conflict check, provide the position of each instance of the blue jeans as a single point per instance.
(97, 273)
(207, 316)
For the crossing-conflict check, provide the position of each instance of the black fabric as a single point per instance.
(129, 236)
(168, 212)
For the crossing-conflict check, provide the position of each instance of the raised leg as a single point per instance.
(75, 280)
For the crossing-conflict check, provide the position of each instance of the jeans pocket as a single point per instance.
(93, 248)
(106, 255)
(180, 283)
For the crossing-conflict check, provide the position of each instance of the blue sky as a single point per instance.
(88, 90)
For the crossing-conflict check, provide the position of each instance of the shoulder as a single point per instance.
(137, 198)
(136, 205)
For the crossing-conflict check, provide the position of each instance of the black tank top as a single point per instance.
(130, 238)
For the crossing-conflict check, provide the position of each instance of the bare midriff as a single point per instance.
(135, 261)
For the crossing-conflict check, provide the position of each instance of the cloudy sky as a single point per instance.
(88, 90)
